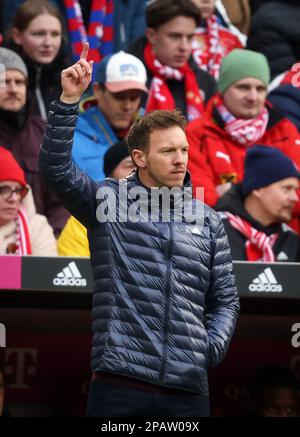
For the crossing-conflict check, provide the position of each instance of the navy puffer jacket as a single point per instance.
(165, 302)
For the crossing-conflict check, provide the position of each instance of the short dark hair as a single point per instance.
(271, 376)
(160, 12)
(139, 133)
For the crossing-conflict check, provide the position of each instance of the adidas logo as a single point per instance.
(266, 282)
(282, 256)
(196, 231)
(71, 276)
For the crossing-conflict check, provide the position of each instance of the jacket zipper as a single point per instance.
(167, 306)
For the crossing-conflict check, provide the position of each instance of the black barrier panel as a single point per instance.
(276, 280)
(259, 280)
(57, 274)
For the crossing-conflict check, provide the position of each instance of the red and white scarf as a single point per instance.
(160, 96)
(243, 131)
(210, 59)
(22, 234)
(259, 246)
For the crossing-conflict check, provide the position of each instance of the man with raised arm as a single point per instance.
(165, 302)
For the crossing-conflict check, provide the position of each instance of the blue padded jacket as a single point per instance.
(165, 302)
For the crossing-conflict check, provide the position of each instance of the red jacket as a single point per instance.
(214, 158)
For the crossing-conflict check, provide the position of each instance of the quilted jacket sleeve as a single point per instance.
(222, 301)
(75, 188)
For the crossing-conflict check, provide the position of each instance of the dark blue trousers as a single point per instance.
(110, 399)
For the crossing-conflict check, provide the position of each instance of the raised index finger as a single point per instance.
(85, 51)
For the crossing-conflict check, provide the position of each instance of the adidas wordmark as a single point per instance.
(266, 282)
(70, 276)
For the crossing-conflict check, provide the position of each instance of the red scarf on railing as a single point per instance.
(259, 246)
(160, 96)
(243, 131)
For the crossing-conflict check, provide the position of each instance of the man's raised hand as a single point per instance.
(76, 79)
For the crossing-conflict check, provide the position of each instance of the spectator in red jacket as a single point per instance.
(235, 119)
(174, 79)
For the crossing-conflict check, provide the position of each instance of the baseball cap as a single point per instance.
(122, 71)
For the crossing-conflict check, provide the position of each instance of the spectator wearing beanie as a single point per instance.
(255, 211)
(22, 230)
(73, 239)
(237, 118)
(21, 132)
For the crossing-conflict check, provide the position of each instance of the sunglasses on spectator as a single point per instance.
(6, 192)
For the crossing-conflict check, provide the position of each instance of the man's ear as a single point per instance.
(16, 35)
(256, 193)
(151, 35)
(139, 158)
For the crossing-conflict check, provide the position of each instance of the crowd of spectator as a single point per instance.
(230, 66)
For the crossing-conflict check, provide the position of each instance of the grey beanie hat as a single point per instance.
(12, 61)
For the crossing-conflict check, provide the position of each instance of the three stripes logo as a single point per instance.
(266, 282)
(70, 276)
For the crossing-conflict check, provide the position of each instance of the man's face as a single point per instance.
(278, 200)
(13, 94)
(9, 207)
(123, 169)
(278, 402)
(165, 160)
(172, 42)
(206, 7)
(119, 109)
(246, 98)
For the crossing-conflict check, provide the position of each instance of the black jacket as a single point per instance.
(286, 98)
(206, 82)
(165, 302)
(275, 32)
(287, 246)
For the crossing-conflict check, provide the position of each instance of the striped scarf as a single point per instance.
(160, 96)
(100, 29)
(243, 131)
(22, 234)
(210, 59)
(258, 246)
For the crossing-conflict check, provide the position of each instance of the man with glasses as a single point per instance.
(21, 133)
(22, 230)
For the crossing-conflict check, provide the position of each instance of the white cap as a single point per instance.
(122, 71)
